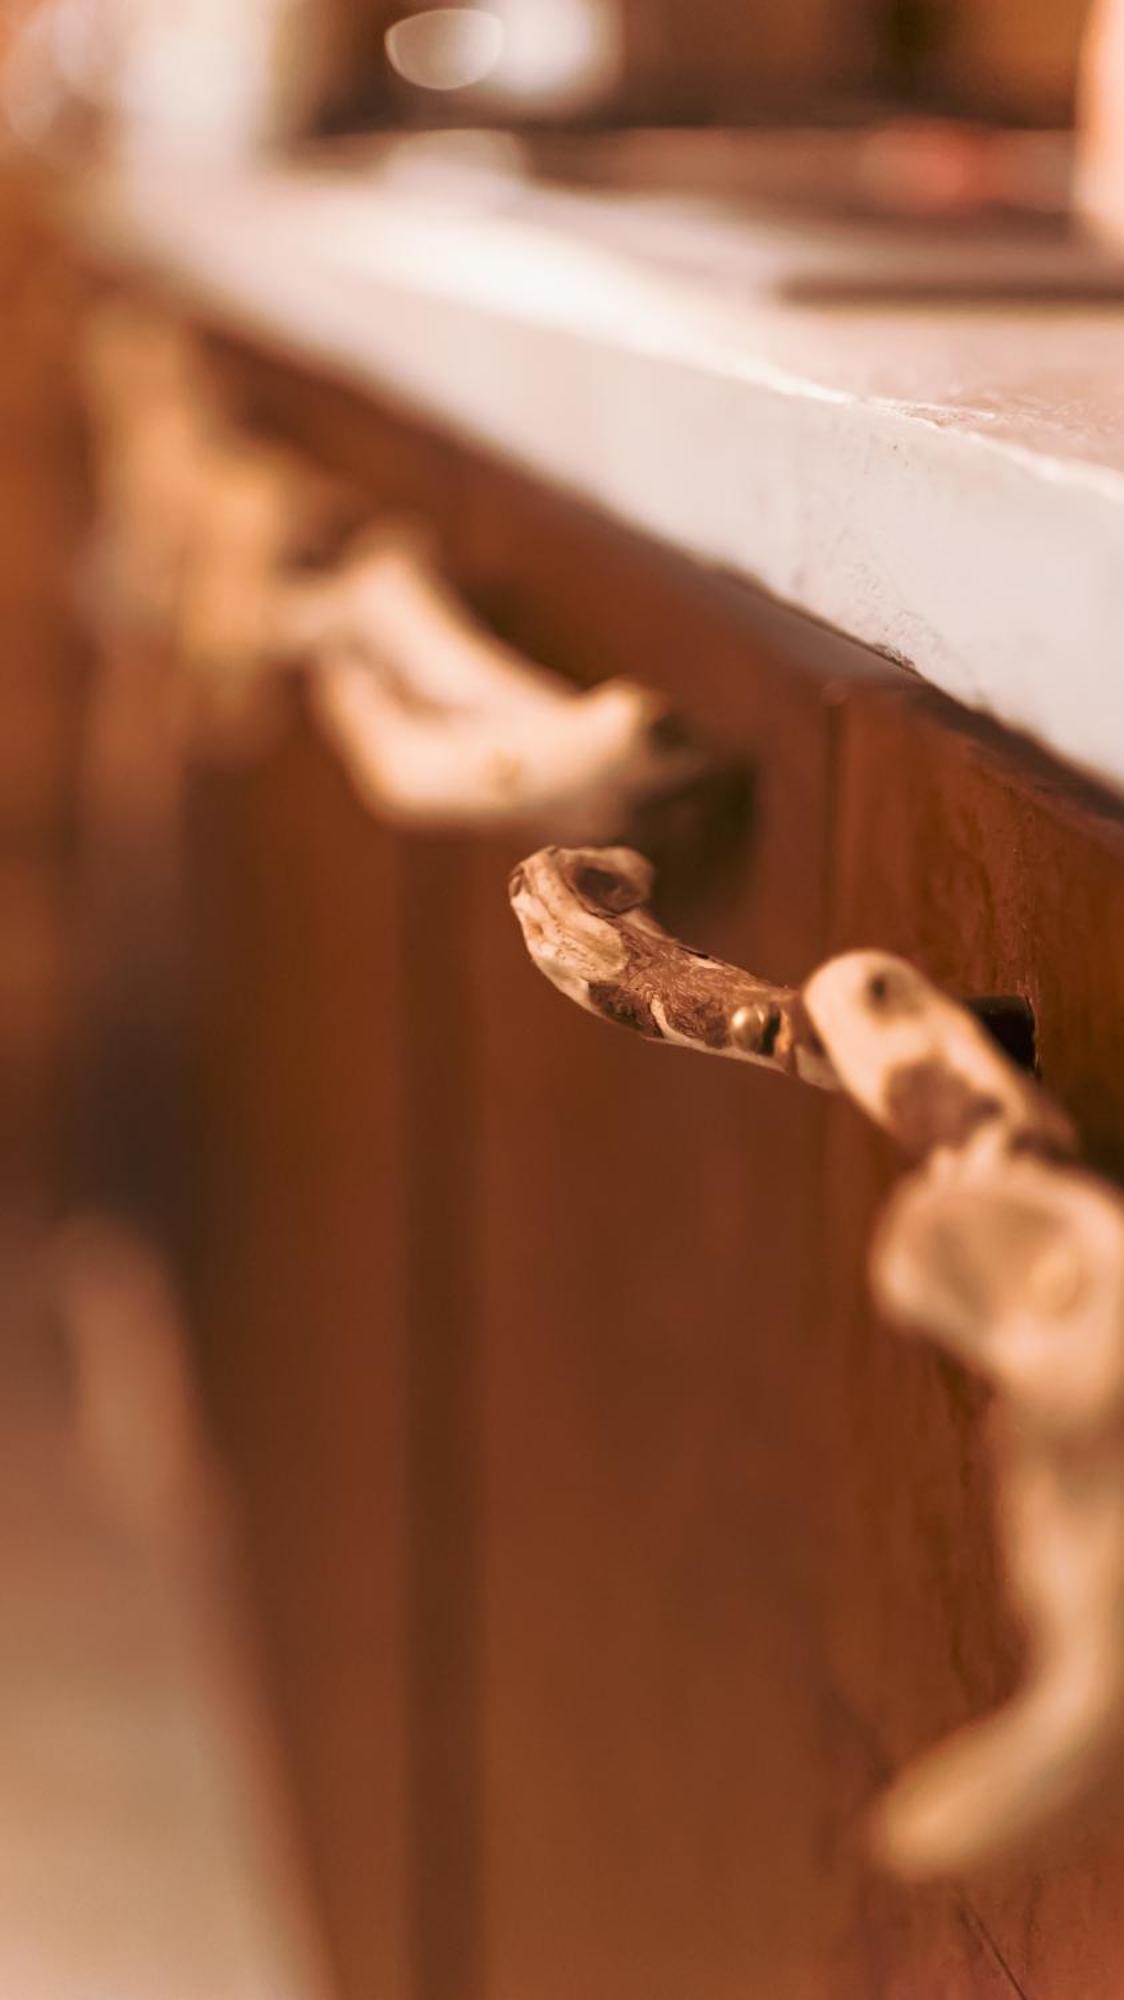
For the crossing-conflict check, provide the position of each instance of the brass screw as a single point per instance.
(755, 1026)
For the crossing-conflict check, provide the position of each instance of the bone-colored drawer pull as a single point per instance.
(389, 600)
(437, 721)
(997, 1245)
(440, 724)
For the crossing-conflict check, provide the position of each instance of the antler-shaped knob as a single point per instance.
(997, 1246)
(586, 922)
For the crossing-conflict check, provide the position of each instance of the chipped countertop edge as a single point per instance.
(993, 567)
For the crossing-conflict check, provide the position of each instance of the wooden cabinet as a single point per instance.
(329, 1250)
(299, 1283)
(647, 1242)
(42, 685)
(611, 1554)
(980, 860)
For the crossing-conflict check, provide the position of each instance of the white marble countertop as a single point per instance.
(921, 445)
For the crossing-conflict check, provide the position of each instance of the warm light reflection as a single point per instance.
(554, 54)
(197, 74)
(558, 53)
(446, 48)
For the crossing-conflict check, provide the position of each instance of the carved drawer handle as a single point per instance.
(997, 1245)
(389, 600)
(439, 723)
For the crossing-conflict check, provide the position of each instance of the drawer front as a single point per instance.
(332, 1073)
(627, 1553)
(673, 1773)
(973, 857)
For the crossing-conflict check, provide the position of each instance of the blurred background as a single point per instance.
(144, 1839)
(360, 63)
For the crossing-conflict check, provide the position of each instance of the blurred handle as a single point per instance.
(1012, 1258)
(997, 1246)
(439, 723)
(389, 601)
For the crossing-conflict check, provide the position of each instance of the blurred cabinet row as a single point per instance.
(609, 1554)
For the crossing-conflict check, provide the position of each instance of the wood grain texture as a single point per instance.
(300, 1307)
(984, 865)
(329, 1245)
(998, 1247)
(673, 1783)
(42, 689)
(699, 1553)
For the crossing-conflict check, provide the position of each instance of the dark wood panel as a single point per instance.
(43, 666)
(333, 1244)
(331, 1256)
(672, 1779)
(688, 1554)
(970, 854)
(391, 462)
(300, 1302)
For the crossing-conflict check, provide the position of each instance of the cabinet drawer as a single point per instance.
(625, 1553)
